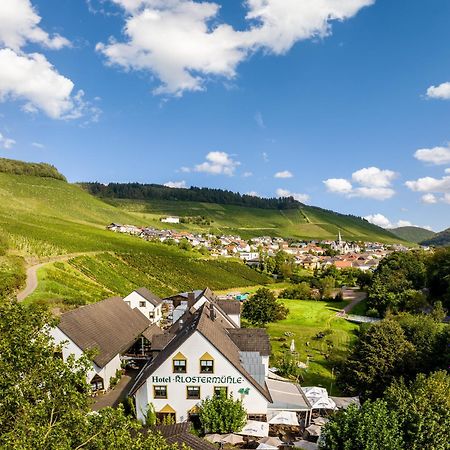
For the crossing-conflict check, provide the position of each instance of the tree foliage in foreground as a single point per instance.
(381, 353)
(413, 416)
(402, 346)
(371, 427)
(263, 307)
(44, 402)
(423, 406)
(222, 414)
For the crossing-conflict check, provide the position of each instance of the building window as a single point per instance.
(97, 384)
(206, 366)
(257, 417)
(221, 390)
(206, 363)
(160, 391)
(193, 392)
(151, 314)
(142, 304)
(179, 366)
(179, 363)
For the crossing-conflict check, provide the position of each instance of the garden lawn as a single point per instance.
(306, 319)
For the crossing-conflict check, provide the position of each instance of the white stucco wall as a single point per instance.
(70, 348)
(193, 349)
(134, 300)
(236, 318)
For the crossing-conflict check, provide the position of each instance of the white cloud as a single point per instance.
(37, 145)
(429, 199)
(447, 170)
(376, 193)
(436, 155)
(441, 92)
(247, 174)
(379, 220)
(430, 184)
(338, 185)
(6, 143)
(373, 183)
(259, 120)
(176, 184)
(252, 194)
(33, 80)
(217, 163)
(284, 174)
(265, 156)
(19, 24)
(183, 43)
(435, 189)
(373, 177)
(383, 222)
(303, 198)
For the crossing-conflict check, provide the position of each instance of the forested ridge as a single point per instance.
(27, 168)
(139, 191)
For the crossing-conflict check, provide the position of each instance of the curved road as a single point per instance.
(355, 297)
(32, 280)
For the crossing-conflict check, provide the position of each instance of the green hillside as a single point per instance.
(44, 217)
(441, 239)
(413, 234)
(306, 222)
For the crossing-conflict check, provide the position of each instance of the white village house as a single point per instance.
(112, 329)
(146, 302)
(201, 357)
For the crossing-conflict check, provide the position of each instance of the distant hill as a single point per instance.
(233, 213)
(26, 168)
(138, 191)
(413, 234)
(441, 239)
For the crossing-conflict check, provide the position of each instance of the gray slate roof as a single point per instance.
(251, 340)
(216, 333)
(110, 326)
(149, 296)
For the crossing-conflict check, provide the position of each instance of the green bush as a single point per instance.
(222, 414)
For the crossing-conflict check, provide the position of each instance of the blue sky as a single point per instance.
(345, 104)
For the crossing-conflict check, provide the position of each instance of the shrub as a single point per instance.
(222, 414)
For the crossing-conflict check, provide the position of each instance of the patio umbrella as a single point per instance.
(314, 430)
(320, 421)
(255, 428)
(232, 439)
(266, 447)
(270, 440)
(305, 445)
(213, 437)
(284, 418)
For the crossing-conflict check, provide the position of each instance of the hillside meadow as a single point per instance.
(304, 223)
(89, 278)
(44, 217)
(307, 321)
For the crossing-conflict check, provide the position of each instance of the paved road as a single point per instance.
(32, 281)
(355, 297)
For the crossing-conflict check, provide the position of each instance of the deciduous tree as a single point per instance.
(263, 307)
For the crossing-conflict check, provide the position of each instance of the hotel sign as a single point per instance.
(197, 379)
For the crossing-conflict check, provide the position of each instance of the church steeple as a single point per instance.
(340, 238)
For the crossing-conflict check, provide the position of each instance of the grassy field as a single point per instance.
(43, 217)
(305, 320)
(89, 278)
(306, 223)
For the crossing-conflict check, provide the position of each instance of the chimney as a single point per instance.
(191, 300)
(180, 324)
(212, 313)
